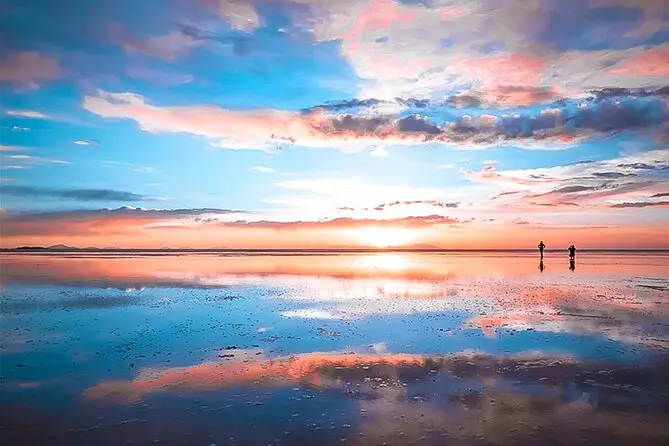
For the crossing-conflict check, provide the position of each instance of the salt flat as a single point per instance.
(334, 349)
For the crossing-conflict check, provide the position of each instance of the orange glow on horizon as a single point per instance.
(384, 237)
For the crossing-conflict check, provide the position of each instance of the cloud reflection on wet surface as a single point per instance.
(334, 349)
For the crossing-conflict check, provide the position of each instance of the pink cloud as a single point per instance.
(133, 220)
(231, 129)
(29, 69)
(380, 15)
(652, 62)
(514, 96)
(265, 129)
(489, 174)
(168, 47)
(513, 69)
(375, 18)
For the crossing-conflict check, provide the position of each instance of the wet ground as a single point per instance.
(393, 349)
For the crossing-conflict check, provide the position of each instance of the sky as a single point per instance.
(330, 124)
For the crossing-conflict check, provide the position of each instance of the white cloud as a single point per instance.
(25, 161)
(424, 49)
(263, 169)
(6, 148)
(30, 114)
(379, 152)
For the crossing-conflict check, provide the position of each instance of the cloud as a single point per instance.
(240, 14)
(642, 204)
(72, 194)
(103, 221)
(226, 128)
(6, 148)
(550, 128)
(623, 182)
(650, 62)
(84, 142)
(131, 166)
(428, 49)
(263, 169)
(345, 222)
(28, 69)
(434, 203)
(127, 218)
(30, 114)
(24, 161)
(169, 47)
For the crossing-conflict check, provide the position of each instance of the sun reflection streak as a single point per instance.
(388, 262)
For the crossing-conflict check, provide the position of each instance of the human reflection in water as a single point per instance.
(541, 266)
(572, 264)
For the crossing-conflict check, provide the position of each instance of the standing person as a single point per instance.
(572, 251)
(541, 247)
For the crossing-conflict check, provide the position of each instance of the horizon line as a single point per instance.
(316, 250)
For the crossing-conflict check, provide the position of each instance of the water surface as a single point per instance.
(334, 349)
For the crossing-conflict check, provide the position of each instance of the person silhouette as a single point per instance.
(541, 247)
(572, 251)
(541, 266)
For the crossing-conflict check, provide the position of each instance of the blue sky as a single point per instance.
(296, 111)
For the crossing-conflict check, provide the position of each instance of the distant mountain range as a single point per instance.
(67, 248)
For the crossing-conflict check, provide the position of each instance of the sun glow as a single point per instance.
(387, 262)
(383, 237)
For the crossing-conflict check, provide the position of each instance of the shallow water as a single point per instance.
(334, 349)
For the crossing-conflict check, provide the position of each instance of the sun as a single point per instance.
(383, 237)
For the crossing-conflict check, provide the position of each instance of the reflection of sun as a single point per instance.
(382, 237)
(388, 262)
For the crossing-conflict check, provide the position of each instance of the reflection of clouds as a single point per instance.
(310, 313)
(614, 308)
(616, 296)
(502, 417)
(465, 398)
(214, 375)
(210, 270)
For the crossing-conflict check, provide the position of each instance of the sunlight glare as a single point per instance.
(383, 237)
(390, 262)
